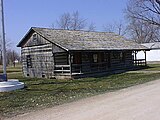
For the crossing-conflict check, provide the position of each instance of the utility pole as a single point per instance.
(2, 32)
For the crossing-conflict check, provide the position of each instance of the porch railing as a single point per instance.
(95, 67)
(88, 68)
(62, 69)
(140, 62)
(80, 68)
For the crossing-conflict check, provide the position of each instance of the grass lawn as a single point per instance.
(42, 93)
(10, 69)
(153, 67)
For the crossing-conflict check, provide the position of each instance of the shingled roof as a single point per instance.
(84, 40)
(152, 46)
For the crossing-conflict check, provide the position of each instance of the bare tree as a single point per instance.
(145, 10)
(143, 32)
(92, 27)
(116, 27)
(12, 55)
(109, 28)
(72, 21)
(64, 21)
(52, 26)
(77, 23)
(8, 43)
(144, 20)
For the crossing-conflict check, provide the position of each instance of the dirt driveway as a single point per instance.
(141, 102)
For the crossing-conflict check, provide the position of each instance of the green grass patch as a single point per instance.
(42, 93)
(11, 69)
(153, 67)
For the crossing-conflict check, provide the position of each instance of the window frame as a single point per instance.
(29, 61)
(34, 38)
(95, 57)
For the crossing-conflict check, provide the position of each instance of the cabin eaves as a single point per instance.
(71, 40)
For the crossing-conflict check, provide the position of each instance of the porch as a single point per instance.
(80, 63)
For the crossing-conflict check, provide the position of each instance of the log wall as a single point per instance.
(121, 60)
(42, 63)
(61, 58)
(38, 57)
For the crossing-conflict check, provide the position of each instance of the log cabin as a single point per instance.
(55, 53)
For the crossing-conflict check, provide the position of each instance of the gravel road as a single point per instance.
(140, 102)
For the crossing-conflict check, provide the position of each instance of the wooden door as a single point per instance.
(100, 57)
(77, 58)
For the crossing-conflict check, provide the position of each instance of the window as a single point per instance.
(29, 61)
(100, 57)
(106, 57)
(34, 38)
(95, 58)
(119, 56)
(116, 55)
(72, 58)
(122, 57)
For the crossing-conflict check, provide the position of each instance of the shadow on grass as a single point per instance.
(55, 86)
(86, 80)
(143, 68)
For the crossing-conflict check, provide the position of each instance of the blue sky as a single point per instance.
(20, 15)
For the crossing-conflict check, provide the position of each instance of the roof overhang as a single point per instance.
(103, 50)
(24, 40)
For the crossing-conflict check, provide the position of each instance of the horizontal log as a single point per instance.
(61, 70)
(62, 65)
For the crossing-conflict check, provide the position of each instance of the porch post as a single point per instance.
(53, 63)
(70, 63)
(136, 58)
(145, 58)
(109, 60)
